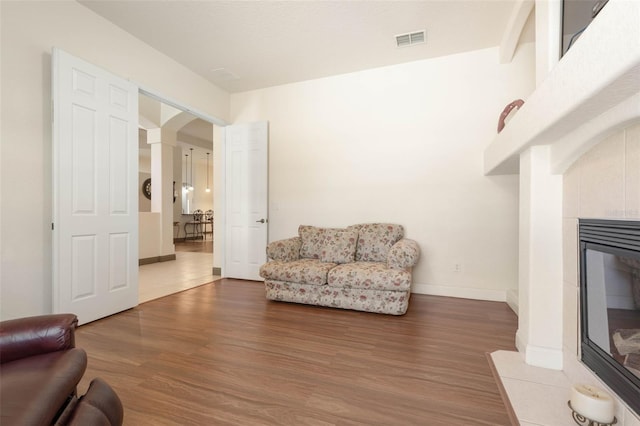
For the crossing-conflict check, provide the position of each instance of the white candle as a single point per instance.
(592, 403)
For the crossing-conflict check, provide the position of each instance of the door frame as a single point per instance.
(219, 192)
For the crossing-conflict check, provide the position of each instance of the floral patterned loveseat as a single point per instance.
(365, 267)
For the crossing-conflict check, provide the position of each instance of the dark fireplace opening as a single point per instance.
(610, 304)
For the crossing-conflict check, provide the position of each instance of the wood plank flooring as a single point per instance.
(221, 354)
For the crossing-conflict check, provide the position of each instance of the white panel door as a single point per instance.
(247, 198)
(95, 180)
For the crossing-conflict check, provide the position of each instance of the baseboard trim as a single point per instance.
(538, 356)
(544, 357)
(460, 292)
(513, 300)
(520, 342)
(156, 259)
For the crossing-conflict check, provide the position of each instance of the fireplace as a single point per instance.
(610, 304)
(575, 144)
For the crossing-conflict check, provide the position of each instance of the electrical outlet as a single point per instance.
(457, 267)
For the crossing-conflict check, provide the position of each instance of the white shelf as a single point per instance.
(601, 72)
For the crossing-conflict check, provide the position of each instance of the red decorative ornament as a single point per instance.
(512, 107)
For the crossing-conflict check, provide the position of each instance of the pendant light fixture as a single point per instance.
(208, 190)
(184, 182)
(191, 179)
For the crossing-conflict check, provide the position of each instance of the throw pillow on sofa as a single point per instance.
(312, 238)
(375, 240)
(339, 246)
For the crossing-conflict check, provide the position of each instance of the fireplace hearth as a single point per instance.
(610, 304)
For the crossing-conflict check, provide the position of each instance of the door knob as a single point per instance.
(260, 221)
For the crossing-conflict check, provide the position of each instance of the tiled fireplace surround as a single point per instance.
(576, 146)
(602, 183)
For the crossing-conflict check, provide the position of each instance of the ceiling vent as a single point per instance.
(409, 39)
(222, 74)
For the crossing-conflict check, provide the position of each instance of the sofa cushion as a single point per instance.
(339, 245)
(33, 389)
(312, 239)
(304, 271)
(375, 240)
(369, 275)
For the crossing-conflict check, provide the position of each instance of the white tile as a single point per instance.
(570, 250)
(570, 318)
(571, 191)
(630, 419)
(512, 365)
(632, 173)
(576, 372)
(602, 179)
(164, 278)
(539, 404)
(540, 397)
(568, 364)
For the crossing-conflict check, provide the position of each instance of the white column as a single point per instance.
(548, 37)
(539, 335)
(162, 185)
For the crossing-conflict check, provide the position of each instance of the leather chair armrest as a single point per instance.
(403, 254)
(286, 250)
(25, 337)
(99, 407)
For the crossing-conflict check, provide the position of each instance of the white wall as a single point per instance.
(402, 144)
(150, 232)
(29, 30)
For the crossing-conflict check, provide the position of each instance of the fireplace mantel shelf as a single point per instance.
(592, 92)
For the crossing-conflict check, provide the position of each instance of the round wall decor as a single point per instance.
(146, 188)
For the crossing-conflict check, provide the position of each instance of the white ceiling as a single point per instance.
(268, 43)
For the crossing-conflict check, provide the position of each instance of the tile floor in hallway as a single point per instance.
(190, 269)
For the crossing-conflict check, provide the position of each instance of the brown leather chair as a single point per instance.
(40, 368)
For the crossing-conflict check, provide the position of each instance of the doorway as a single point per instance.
(95, 220)
(190, 263)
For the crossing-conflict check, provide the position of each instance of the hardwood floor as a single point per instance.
(221, 354)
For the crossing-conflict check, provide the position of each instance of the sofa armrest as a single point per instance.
(286, 250)
(25, 337)
(99, 406)
(403, 254)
